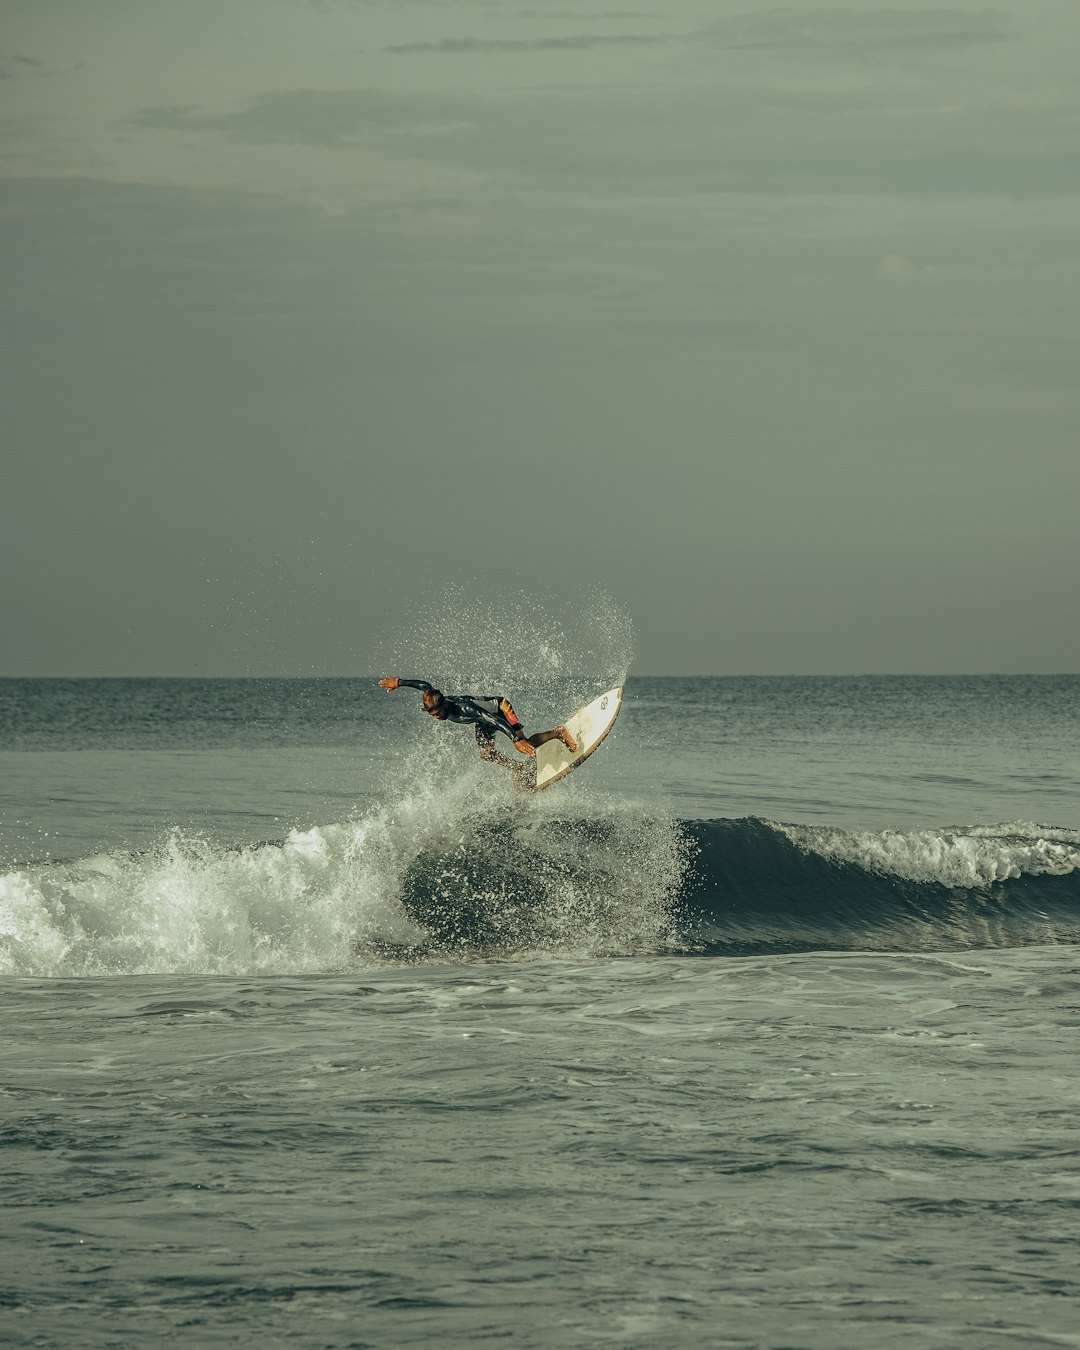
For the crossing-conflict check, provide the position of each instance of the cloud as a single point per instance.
(12, 67)
(853, 30)
(594, 17)
(330, 119)
(702, 139)
(571, 43)
(836, 30)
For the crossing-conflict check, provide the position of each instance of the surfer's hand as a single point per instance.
(524, 746)
(391, 682)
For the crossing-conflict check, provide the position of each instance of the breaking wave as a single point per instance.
(459, 875)
(465, 875)
(764, 887)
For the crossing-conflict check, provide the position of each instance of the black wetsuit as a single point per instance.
(487, 713)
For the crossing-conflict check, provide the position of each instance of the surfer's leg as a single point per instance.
(485, 740)
(540, 738)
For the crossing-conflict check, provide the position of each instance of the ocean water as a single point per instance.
(760, 1030)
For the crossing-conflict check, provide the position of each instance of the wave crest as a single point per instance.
(765, 887)
(456, 872)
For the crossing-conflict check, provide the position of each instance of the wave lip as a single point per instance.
(953, 857)
(762, 887)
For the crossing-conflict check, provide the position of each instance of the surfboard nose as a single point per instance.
(586, 730)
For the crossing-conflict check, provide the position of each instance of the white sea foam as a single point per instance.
(186, 907)
(972, 856)
(578, 874)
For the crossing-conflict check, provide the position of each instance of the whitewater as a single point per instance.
(759, 1030)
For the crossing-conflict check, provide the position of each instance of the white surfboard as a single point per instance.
(588, 727)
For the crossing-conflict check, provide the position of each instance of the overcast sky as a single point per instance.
(764, 319)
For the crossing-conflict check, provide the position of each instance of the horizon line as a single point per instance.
(640, 675)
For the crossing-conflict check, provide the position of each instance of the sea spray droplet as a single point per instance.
(548, 657)
(533, 882)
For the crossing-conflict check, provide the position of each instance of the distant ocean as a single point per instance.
(760, 1030)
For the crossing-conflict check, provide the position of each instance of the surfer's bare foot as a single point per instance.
(566, 739)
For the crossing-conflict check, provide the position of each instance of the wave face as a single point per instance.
(762, 887)
(463, 875)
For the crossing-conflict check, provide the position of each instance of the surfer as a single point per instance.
(487, 713)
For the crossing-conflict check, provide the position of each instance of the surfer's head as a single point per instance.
(434, 703)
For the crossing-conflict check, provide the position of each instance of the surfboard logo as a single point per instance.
(603, 705)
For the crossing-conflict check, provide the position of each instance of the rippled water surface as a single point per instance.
(760, 1032)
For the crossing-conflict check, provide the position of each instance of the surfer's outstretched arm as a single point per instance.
(393, 682)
